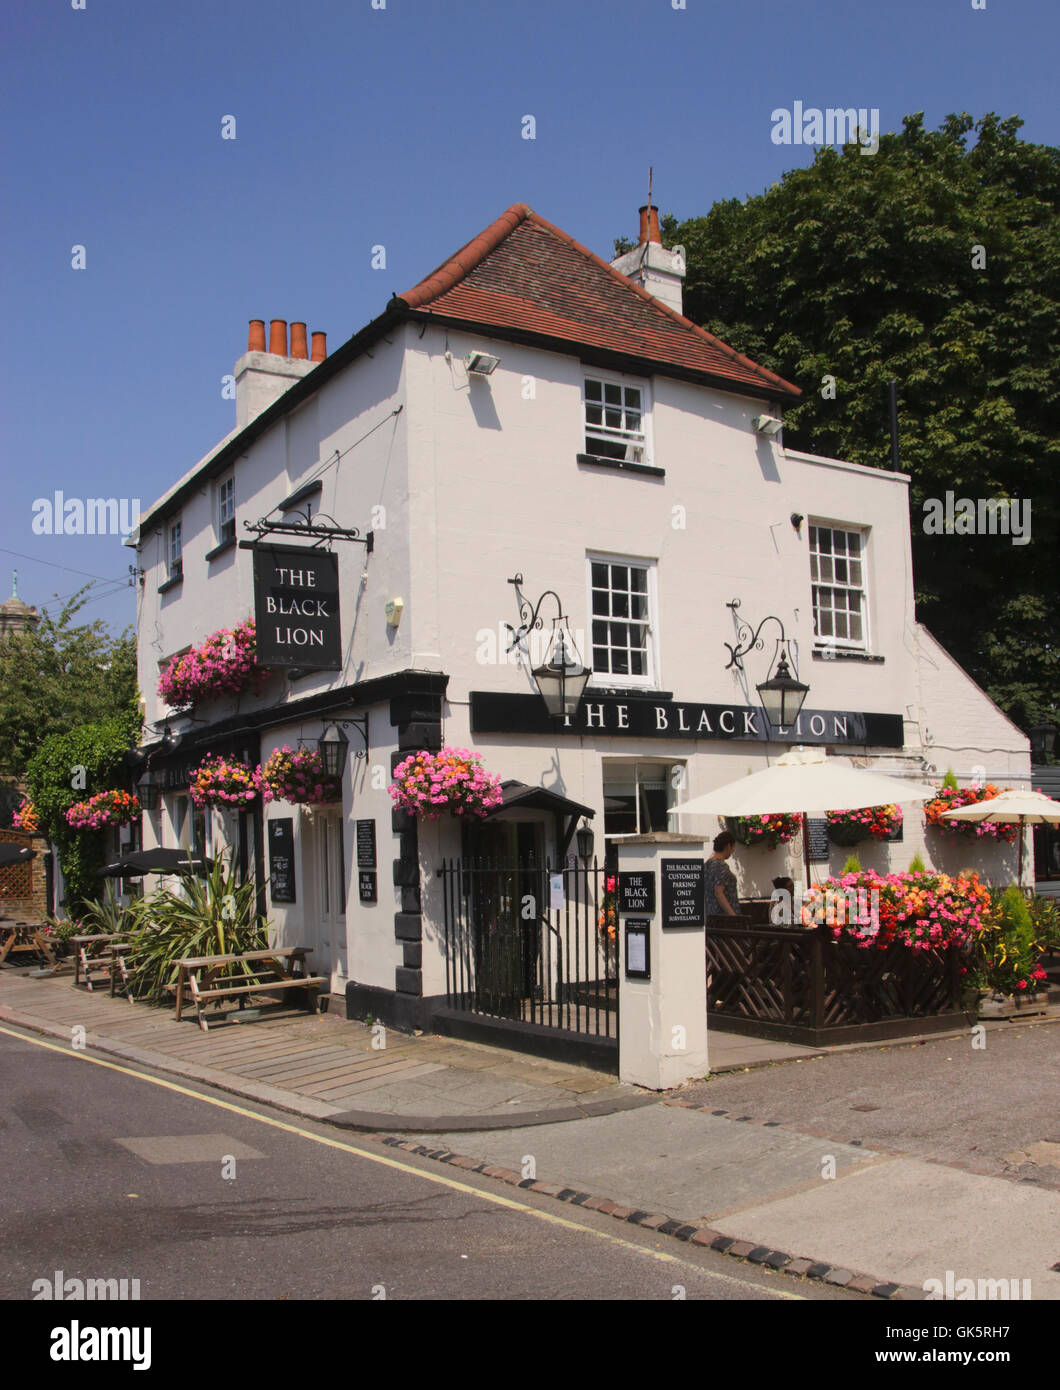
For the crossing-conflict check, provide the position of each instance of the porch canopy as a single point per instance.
(519, 796)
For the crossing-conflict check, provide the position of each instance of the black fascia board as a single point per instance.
(607, 358)
(293, 397)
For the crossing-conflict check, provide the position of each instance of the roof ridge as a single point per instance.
(459, 265)
(658, 304)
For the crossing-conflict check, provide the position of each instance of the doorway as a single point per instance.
(329, 878)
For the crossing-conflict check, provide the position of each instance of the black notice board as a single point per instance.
(682, 893)
(817, 833)
(281, 860)
(636, 892)
(366, 886)
(638, 948)
(366, 844)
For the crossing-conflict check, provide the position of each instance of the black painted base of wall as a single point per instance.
(557, 1044)
(404, 1012)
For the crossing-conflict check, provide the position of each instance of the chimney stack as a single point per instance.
(262, 376)
(650, 265)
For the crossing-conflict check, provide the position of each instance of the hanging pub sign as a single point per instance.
(296, 607)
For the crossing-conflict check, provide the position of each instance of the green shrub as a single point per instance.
(852, 866)
(917, 865)
(1045, 914)
(1008, 947)
(211, 916)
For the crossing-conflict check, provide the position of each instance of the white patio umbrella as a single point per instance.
(808, 782)
(1012, 807)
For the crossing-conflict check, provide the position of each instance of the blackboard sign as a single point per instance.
(638, 948)
(682, 893)
(636, 892)
(296, 607)
(366, 844)
(281, 860)
(366, 886)
(817, 832)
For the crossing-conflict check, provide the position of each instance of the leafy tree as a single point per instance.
(936, 265)
(61, 675)
(71, 767)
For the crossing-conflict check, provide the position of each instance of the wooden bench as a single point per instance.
(203, 979)
(95, 953)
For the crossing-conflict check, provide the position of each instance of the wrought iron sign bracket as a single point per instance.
(530, 618)
(747, 641)
(309, 527)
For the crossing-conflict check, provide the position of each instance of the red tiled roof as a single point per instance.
(523, 273)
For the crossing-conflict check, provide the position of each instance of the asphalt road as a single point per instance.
(943, 1099)
(119, 1173)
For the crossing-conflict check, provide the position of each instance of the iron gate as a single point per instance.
(513, 951)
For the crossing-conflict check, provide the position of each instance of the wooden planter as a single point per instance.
(1013, 1005)
(803, 986)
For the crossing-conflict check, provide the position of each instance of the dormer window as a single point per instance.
(615, 420)
(226, 509)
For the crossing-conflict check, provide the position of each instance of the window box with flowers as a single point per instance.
(297, 775)
(428, 784)
(225, 664)
(102, 810)
(950, 797)
(768, 831)
(224, 782)
(869, 823)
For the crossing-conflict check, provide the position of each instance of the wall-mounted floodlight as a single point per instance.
(481, 363)
(767, 424)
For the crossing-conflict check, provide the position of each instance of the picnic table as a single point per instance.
(17, 937)
(96, 953)
(211, 978)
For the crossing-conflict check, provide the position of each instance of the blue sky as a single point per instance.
(355, 127)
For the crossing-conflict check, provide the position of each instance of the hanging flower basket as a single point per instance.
(949, 798)
(221, 781)
(103, 809)
(869, 823)
(768, 831)
(454, 780)
(225, 664)
(297, 776)
(26, 817)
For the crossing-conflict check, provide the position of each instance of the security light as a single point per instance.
(767, 424)
(481, 363)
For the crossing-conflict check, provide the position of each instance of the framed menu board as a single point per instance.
(281, 860)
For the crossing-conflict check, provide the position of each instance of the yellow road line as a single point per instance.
(442, 1180)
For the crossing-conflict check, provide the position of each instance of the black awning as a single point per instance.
(520, 796)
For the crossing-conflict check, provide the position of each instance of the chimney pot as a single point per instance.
(256, 336)
(649, 224)
(278, 337)
(298, 343)
(320, 346)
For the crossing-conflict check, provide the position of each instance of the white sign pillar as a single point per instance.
(662, 1020)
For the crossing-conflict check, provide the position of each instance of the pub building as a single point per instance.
(531, 511)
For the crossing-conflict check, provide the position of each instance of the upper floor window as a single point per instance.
(622, 604)
(176, 547)
(615, 420)
(226, 509)
(837, 572)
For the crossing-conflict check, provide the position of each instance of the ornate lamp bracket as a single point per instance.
(748, 640)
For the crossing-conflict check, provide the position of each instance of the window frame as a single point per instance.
(624, 383)
(635, 766)
(846, 644)
(175, 565)
(226, 491)
(650, 680)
